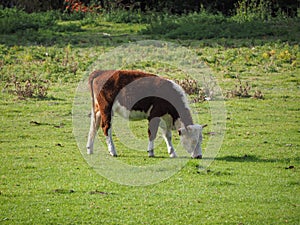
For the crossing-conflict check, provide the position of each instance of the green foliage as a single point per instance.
(190, 26)
(49, 27)
(33, 5)
(253, 10)
(205, 25)
(124, 16)
(72, 16)
(172, 6)
(13, 20)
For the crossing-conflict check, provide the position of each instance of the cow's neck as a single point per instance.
(184, 120)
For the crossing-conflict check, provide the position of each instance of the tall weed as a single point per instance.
(33, 87)
(249, 11)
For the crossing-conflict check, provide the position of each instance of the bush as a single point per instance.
(129, 16)
(13, 20)
(243, 91)
(205, 25)
(32, 87)
(194, 26)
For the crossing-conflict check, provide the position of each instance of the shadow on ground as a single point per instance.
(215, 30)
(253, 158)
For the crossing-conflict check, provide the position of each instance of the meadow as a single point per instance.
(254, 179)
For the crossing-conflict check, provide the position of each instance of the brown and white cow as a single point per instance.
(139, 95)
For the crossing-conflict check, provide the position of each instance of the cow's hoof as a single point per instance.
(113, 154)
(173, 155)
(198, 157)
(151, 153)
(89, 151)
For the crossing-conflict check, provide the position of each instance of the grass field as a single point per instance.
(44, 179)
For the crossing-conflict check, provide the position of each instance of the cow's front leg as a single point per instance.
(110, 144)
(106, 126)
(152, 132)
(95, 123)
(167, 135)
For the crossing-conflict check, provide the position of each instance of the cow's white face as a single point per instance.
(191, 139)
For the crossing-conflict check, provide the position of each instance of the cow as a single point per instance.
(139, 95)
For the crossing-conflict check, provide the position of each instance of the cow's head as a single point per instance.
(191, 139)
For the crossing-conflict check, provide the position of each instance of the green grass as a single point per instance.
(254, 179)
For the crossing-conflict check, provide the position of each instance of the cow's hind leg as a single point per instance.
(106, 127)
(95, 123)
(110, 143)
(152, 132)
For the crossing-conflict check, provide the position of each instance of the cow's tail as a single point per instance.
(91, 81)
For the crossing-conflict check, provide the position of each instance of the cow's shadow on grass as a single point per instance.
(254, 158)
(229, 158)
(158, 156)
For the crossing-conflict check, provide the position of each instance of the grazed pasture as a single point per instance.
(44, 179)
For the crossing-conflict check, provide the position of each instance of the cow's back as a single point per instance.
(106, 84)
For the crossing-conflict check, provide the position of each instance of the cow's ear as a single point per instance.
(181, 131)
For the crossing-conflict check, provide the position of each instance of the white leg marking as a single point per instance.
(110, 144)
(166, 126)
(167, 135)
(93, 131)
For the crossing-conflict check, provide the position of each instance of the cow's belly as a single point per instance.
(130, 114)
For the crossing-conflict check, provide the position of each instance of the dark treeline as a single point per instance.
(226, 7)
